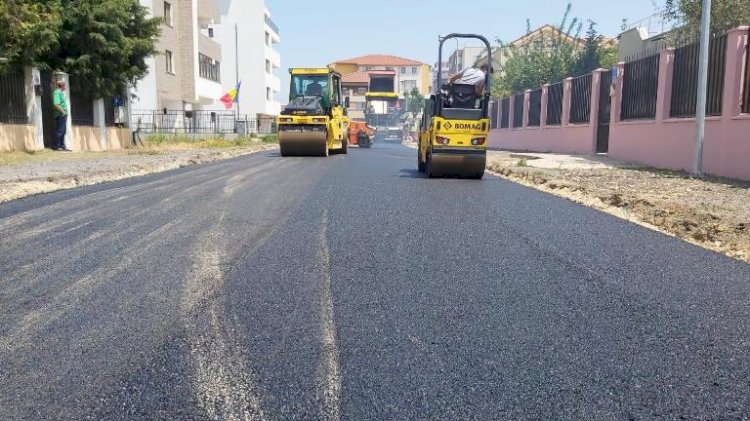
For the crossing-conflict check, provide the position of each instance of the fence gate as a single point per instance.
(605, 105)
(48, 112)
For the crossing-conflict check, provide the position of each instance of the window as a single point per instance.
(414, 70)
(168, 14)
(210, 32)
(169, 61)
(268, 67)
(268, 39)
(269, 94)
(408, 85)
(209, 68)
(403, 70)
(337, 91)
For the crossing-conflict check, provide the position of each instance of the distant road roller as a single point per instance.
(314, 123)
(455, 126)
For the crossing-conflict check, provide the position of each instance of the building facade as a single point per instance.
(445, 70)
(186, 73)
(249, 35)
(409, 74)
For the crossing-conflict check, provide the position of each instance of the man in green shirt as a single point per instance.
(60, 104)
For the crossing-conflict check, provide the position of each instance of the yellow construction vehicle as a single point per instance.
(455, 125)
(314, 123)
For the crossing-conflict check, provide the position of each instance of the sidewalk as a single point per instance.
(711, 212)
(23, 174)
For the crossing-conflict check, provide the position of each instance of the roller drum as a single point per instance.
(303, 143)
(458, 164)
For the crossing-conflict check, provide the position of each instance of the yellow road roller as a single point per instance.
(314, 123)
(455, 125)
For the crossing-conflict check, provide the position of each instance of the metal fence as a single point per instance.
(493, 114)
(554, 104)
(746, 88)
(640, 85)
(81, 105)
(505, 113)
(580, 99)
(518, 111)
(13, 98)
(535, 108)
(685, 78)
(197, 122)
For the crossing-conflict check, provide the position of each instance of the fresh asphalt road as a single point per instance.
(353, 288)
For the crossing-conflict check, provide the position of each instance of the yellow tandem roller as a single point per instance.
(455, 126)
(314, 122)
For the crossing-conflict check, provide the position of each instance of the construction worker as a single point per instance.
(471, 76)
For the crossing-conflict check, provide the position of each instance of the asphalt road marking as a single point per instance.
(329, 373)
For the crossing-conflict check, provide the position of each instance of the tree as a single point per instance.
(544, 59)
(414, 101)
(597, 53)
(30, 29)
(725, 14)
(103, 44)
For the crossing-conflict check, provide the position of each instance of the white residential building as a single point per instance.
(445, 70)
(186, 74)
(248, 36)
(463, 58)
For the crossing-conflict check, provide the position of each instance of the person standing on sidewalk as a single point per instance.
(60, 104)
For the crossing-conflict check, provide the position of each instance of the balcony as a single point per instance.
(273, 56)
(208, 13)
(273, 82)
(272, 25)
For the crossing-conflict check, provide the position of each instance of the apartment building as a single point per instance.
(463, 58)
(248, 34)
(186, 74)
(408, 74)
(445, 70)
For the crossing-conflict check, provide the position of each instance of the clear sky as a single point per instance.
(315, 33)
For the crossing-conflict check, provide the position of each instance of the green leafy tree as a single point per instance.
(547, 58)
(414, 101)
(597, 53)
(29, 31)
(103, 44)
(725, 14)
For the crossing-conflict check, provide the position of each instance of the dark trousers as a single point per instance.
(62, 128)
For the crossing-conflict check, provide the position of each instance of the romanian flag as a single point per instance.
(231, 97)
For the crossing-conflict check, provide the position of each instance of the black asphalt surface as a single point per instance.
(353, 288)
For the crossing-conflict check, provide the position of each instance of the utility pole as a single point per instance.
(700, 112)
(236, 63)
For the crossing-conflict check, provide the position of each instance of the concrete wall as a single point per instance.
(83, 138)
(118, 138)
(17, 137)
(670, 143)
(565, 138)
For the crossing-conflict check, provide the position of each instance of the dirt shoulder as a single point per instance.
(26, 174)
(712, 213)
